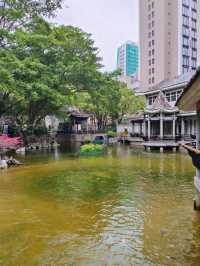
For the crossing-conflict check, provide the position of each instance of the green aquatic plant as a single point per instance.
(91, 149)
(111, 134)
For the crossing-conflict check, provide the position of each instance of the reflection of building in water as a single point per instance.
(162, 161)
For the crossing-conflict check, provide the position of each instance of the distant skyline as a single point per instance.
(111, 23)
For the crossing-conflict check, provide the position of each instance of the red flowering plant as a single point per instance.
(9, 143)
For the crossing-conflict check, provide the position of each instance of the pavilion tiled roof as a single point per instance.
(181, 80)
(79, 114)
(138, 116)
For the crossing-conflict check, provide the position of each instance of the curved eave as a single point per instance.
(167, 111)
(191, 95)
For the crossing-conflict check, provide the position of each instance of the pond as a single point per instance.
(127, 207)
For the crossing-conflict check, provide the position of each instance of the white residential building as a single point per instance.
(168, 39)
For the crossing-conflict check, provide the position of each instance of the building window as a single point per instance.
(185, 41)
(186, 21)
(194, 14)
(194, 53)
(185, 31)
(194, 23)
(185, 10)
(185, 61)
(151, 99)
(173, 96)
(185, 51)
(186, 2)
(194, 63)
(194, 43)
(185, 69)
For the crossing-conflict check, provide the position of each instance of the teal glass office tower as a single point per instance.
(128, 59)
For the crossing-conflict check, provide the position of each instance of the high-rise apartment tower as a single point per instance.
(168, 39)
(128, 58)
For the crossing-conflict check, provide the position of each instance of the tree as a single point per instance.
(110, 100)
(42, 68)
(129, 102)
(15, 14)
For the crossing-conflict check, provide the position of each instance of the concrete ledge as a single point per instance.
(158, 144)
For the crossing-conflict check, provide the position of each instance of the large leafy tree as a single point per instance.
(109, 101)
(15, 14)
(42, 68)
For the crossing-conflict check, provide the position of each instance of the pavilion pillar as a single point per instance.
(140, 129)
(193, 127)
(161, 127)
(182, 127)
(149, 129)
(174, 127)
(133, 127)
(144, 128)
(197, 177)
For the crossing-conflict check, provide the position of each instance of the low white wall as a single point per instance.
(121, 128)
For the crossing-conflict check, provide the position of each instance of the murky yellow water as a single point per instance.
(125, 208)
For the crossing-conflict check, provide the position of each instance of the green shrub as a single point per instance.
(111, 134)
(88, 148)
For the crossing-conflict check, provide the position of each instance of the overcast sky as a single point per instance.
(111, 22)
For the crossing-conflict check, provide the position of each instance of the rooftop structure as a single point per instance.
(128, 59)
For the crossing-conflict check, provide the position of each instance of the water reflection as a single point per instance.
(125, 208)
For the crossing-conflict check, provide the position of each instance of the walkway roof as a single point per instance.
(191, 95)
(178, 82)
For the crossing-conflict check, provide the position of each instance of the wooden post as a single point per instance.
(149, 129)
(144, 128)
(161, 126)
(197, 177)
(182, 128)
(174, 127)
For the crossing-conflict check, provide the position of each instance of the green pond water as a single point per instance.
(124, 208)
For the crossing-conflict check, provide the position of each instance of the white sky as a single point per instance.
(111, 22)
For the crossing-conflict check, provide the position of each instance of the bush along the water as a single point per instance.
(111, 134)
(91, 149)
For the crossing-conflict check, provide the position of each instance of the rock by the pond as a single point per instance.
(13, 162)
(21, 150)
(3, 164)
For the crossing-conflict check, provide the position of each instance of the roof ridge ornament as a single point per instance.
(161, 105)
